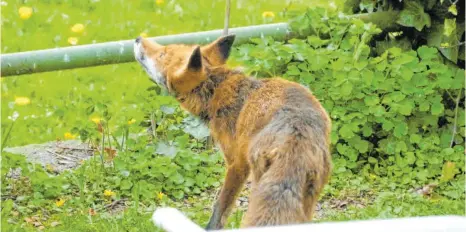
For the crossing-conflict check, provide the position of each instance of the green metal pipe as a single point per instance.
(119, 52)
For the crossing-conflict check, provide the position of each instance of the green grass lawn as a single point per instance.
(65, 102)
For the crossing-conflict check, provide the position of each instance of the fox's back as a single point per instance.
(279, 101)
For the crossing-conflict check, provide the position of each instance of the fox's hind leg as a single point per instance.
(315, 186)
(237, 173)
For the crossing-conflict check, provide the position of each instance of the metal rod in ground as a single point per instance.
(120, 51)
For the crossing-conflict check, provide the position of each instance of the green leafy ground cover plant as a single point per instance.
(394, 149)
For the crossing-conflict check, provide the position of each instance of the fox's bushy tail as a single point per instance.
(289, 173)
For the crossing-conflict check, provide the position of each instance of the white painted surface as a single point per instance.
(173, 220)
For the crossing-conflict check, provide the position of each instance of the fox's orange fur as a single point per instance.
(273, 128)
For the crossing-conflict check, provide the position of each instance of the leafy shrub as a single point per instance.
(393, 114)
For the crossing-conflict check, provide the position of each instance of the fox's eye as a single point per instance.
(162, 55)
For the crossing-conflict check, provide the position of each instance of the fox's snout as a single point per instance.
(147, 63)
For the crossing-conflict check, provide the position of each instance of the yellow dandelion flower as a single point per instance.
(25, 12)
(109, 193)
(160, 195)
(73, 40)
(68, 135)
(159, 2)
(77, 28)
(22, 101)
(59, 202)
(131, 121)
(49, 168)
(268, 14)
(143, 35)
(96, 120)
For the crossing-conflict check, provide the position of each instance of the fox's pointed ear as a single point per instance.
(224, 44)
(195, 61)
(219, 50)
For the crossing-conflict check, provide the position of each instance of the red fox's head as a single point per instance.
(180, 68)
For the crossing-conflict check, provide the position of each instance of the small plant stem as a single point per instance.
(453, 133)
(102, 151)
(7, 135)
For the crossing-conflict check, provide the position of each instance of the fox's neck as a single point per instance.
(222, 90)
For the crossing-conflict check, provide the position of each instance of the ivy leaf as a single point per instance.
(413, 15)
(438, 36)
(452, 9)
(449, 26)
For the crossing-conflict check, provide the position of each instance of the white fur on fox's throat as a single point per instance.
(154, 74)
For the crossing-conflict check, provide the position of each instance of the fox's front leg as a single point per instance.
(237, 173)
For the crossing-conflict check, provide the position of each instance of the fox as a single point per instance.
(270, 130)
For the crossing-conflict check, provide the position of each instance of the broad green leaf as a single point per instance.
(415, 138)
(410, 157)
(177, 178)
(437, 108)
(406, 73)
(406, 107)
(437, 36)
(367, 130)
(346, 89)
(165, 149)
(424, 106)
(316, 41)
(452, 9)
(401, 146)
(377, 110)
(125, 184)
(367, 76)
(413, 15)
(401, 129)
(387, 125)
(346, 131)
(371, 100)
(448, 171)
(361, 145)
(449, 27)
(179, 194)
(196, 128)
(427, 53)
